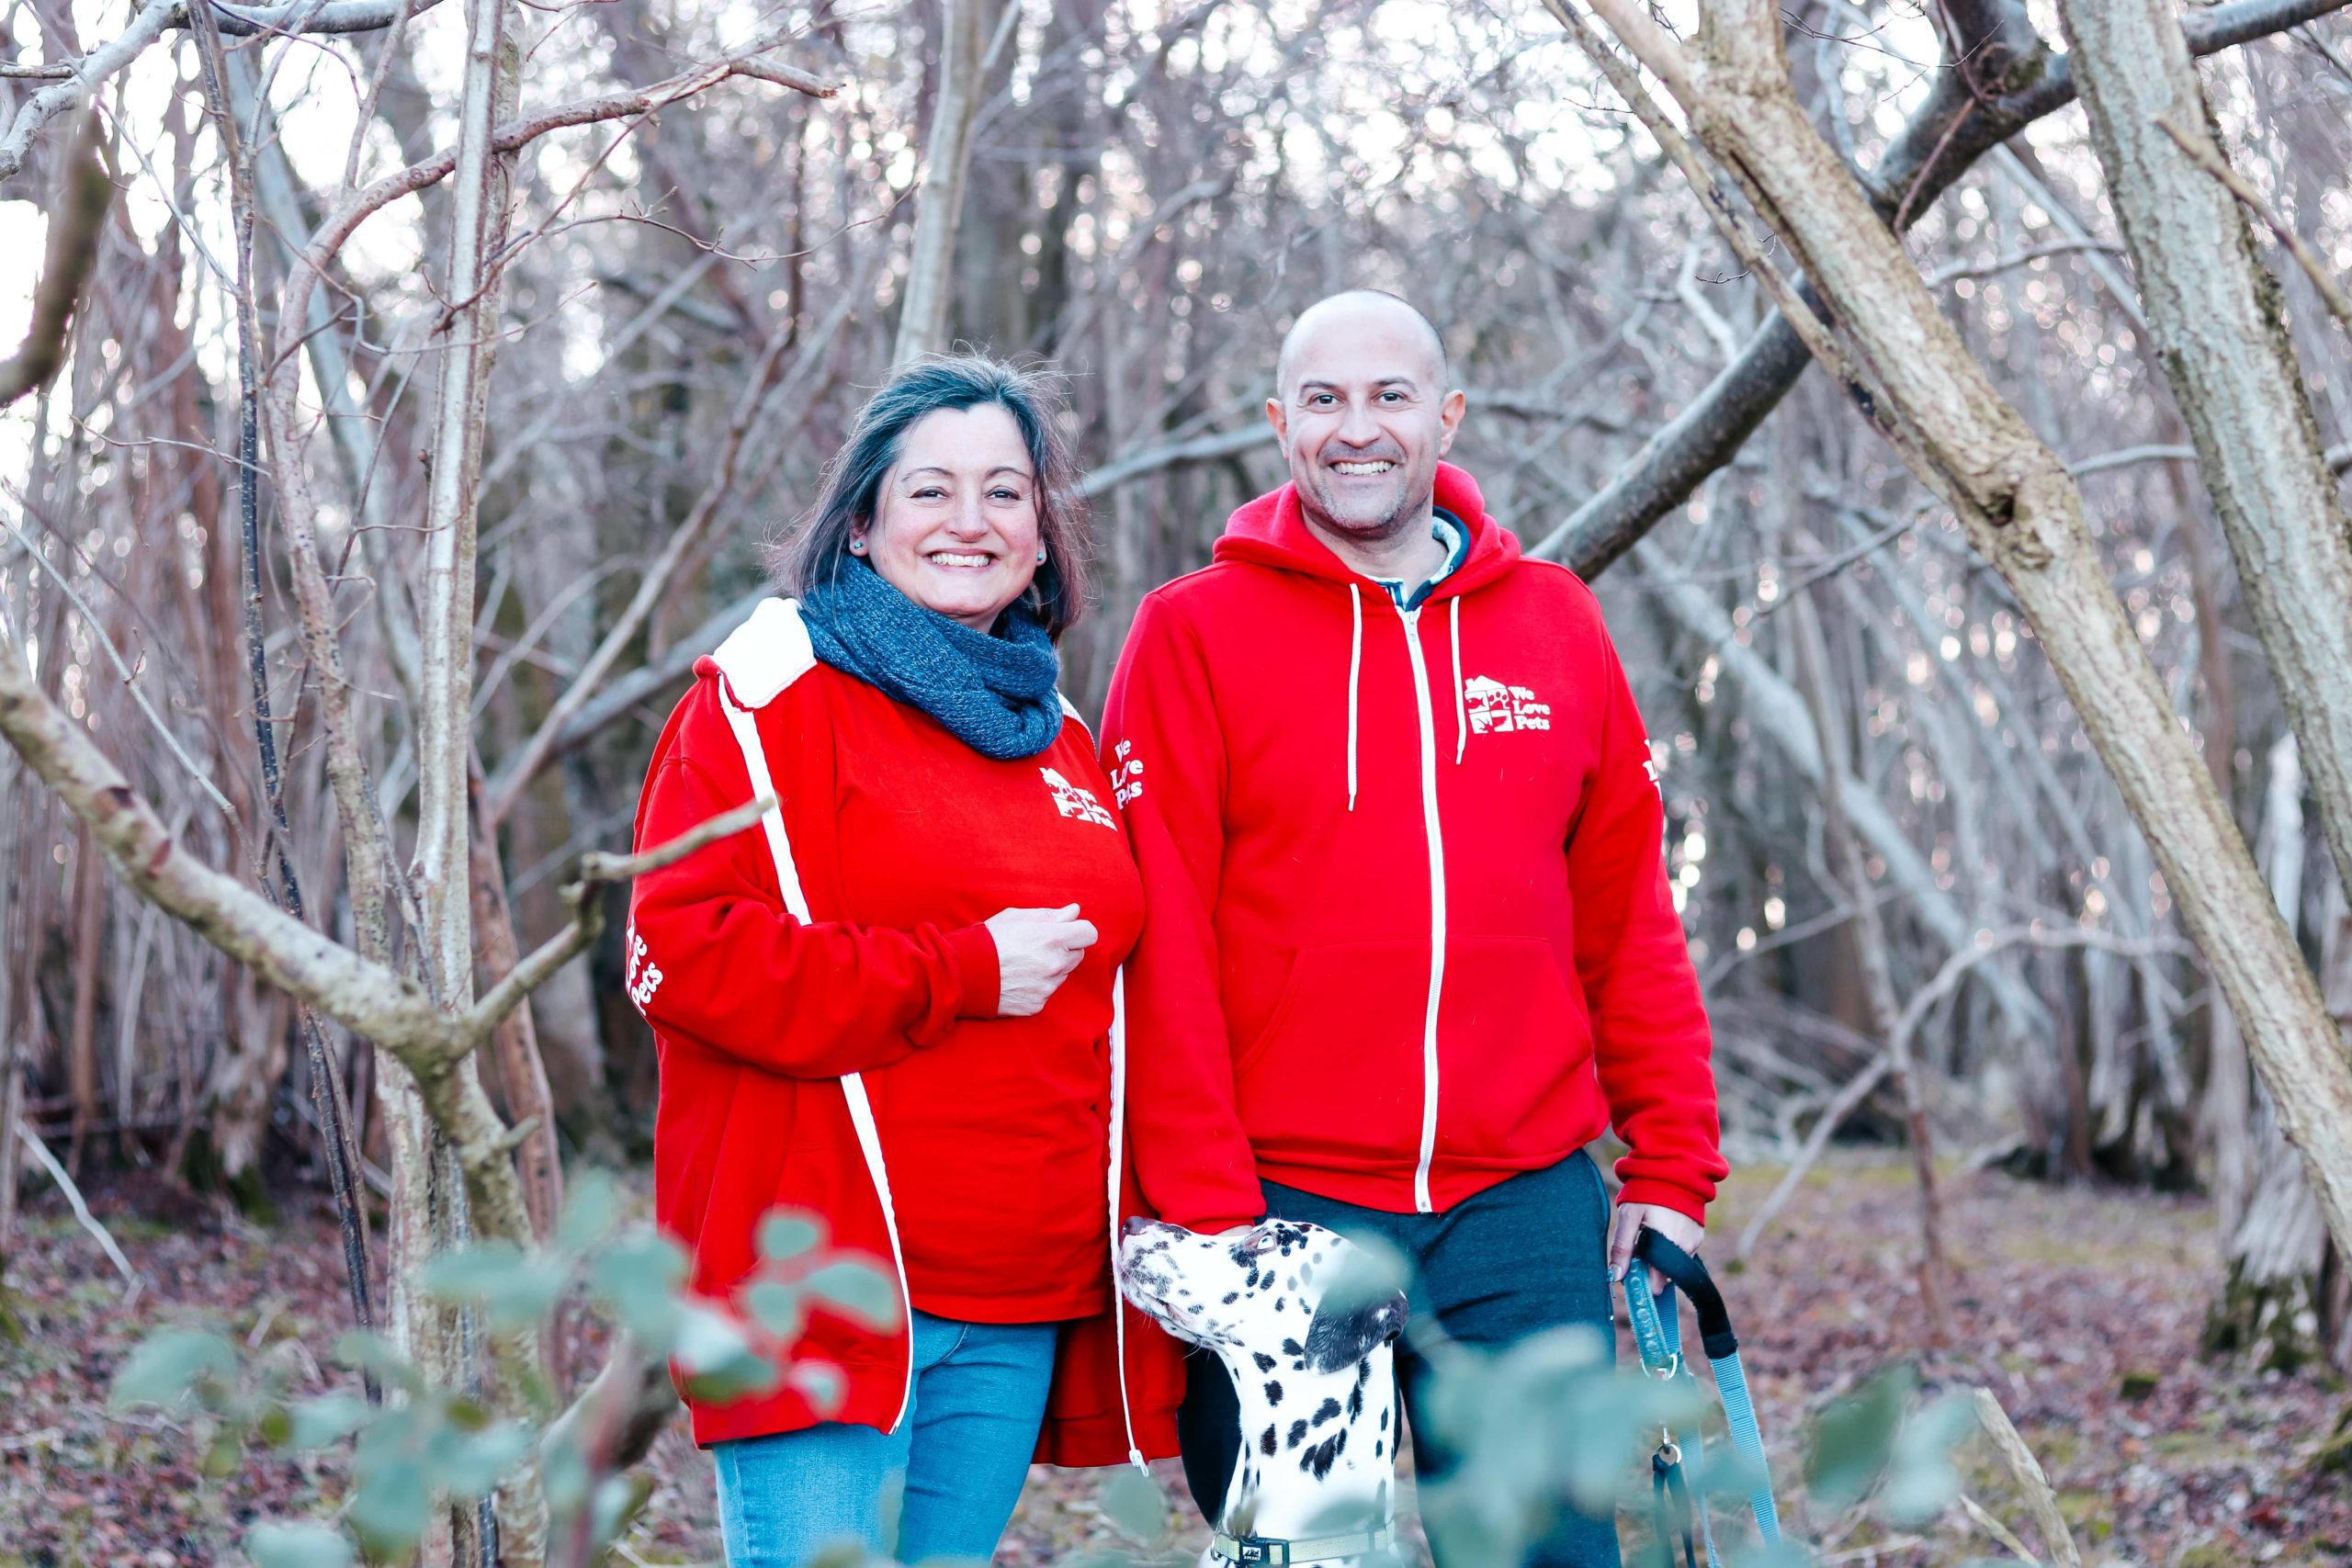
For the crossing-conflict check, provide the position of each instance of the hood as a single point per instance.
(1271, 530)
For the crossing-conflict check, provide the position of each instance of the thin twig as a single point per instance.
(2026, 1471)
(122, 668)
(1997, 1530)
(82, 1210)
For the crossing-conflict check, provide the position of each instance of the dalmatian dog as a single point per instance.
(1315, 1382)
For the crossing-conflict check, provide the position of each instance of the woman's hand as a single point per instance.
(1633, 1219)
(1035, 952)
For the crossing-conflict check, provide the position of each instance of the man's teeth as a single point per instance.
(958, 558)
(1361, 470)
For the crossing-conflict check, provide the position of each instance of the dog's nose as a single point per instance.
(1136, 1225)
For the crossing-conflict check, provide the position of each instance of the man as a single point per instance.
(1409, 945)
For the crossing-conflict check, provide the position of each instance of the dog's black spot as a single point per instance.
(1274, 1391)
(1379, 1449)
(1320, 1458)
(1231, 1297)
(1355, 1401)
(1327, 1411)
(1292, 1349)
(1265, 1362)
(1266, 1440)
(1278, 1302)
(1297, 1435)
(1290, 1282)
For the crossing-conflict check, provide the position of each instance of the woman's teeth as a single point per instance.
(959, 559)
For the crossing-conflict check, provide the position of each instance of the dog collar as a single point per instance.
(1266, 1552)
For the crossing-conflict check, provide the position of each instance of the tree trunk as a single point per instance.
(2216, 320)
(2279, 1307)
(939, 199)
(1909, 371)
(1853, 884)
(82, 1038)
(487, 1202)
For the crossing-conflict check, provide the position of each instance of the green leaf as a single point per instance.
(366, 1352)
(390, 1504)
(564, 1476)
(1920, 1481)
(786, 1234)
(297, 1546)
(327, 1420)
(485, 1459)
(514, 1288)
(1135, 1507)
(821, 1383)
(618, 1499)
(1851, 1444)
(591, 1209)
(775, 1306)
(638, 1278)
(717, 1360)
(858, 1291)
(170, 1366)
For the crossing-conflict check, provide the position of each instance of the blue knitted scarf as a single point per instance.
(995, 693)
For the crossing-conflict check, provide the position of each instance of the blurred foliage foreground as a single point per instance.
(1550, 1421)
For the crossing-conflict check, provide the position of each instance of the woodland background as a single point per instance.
(373, 556)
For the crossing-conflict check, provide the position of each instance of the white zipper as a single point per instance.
(1412, 619)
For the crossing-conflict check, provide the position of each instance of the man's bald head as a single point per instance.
(1340, 316)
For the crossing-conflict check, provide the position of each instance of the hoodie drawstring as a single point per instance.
(1461, 708)
(1355, 675)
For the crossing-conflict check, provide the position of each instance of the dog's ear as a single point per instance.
(1344, 1332)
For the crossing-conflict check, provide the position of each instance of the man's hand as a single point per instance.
(1679, 1228)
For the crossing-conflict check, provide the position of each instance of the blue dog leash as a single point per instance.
(1658, 1335)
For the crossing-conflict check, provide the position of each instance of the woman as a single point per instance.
(891, 1005)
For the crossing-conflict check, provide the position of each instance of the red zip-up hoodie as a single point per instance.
(824, 992)
(1409, 930)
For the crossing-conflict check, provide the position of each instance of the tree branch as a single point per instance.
(71, 254)
(581, 895)
(302, 16)
(1943, 138)
(76, 89)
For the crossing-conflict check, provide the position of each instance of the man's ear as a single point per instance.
(1449, 419)
(1279, 417)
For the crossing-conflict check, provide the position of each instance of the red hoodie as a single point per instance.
(824, 996)
(1410, 928)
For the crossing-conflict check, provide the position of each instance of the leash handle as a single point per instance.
(1658, 1335)
(1691, 1276)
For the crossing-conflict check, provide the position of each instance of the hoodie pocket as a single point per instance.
(1510, 1031)
(1335, 1075)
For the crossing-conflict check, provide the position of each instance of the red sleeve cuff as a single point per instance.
(1650, 1190)
(973, 950)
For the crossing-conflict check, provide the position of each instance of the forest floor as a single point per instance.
(2080, 1309)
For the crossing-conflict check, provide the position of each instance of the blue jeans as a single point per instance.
(958, 1460)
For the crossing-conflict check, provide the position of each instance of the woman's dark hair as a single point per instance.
(815, 548)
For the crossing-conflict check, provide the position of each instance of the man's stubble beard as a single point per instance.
(1414, 497)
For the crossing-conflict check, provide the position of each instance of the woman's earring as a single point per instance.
(1041, 555)
(856, 546)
